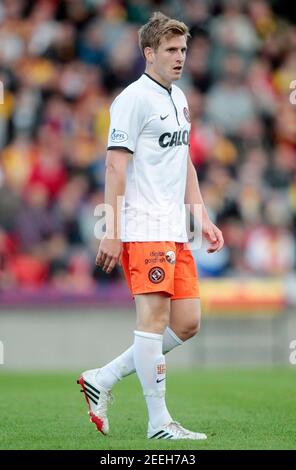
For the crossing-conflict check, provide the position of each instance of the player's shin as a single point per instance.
(151, 370)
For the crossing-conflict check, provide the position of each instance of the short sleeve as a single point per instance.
(127, 119)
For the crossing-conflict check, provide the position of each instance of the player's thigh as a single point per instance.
(153, 312)
(186, 285)
(185, 316)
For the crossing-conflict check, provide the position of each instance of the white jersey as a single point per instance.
(153, 124)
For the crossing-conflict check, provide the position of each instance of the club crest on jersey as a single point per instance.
(170, 256)
(186, 114)
(118, 136)
(156, 275)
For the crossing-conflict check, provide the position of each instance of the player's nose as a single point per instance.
(180, 57)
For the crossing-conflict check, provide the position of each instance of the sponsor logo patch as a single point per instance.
(175, 139)
(170, 256)
(118, 136)
(156, 257)
(156, 275)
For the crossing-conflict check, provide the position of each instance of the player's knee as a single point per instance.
(190, 329)
(155, 322)
(152, 313)
(152, 326)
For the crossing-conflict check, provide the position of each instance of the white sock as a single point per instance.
(151, 369)
(124, 365)
(170, 340)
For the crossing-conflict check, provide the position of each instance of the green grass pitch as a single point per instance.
(236, 408)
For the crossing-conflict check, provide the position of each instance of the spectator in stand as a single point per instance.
(63, 63)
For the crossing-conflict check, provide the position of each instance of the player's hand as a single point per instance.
(108, 254)
(213, 235)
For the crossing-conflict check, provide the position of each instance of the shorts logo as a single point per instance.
(170, 256)
(156, 275)
(186, 114)
(118, 136)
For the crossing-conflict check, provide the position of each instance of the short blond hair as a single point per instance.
(158, 27)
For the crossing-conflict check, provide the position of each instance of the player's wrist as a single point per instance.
(112, 236)
(205, 215)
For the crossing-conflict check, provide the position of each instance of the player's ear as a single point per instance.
(149, 54)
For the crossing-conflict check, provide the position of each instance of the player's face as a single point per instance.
(166, 63)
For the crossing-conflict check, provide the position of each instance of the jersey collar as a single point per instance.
(157, 84)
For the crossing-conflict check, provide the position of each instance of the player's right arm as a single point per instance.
(127, 118)
(110, 246)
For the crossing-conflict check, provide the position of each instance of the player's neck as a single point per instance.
(158, 79)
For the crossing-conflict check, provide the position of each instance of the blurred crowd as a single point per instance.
(63, 62)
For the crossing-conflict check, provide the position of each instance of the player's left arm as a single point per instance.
(193, 196)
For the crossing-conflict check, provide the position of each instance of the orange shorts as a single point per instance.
(166, 267)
